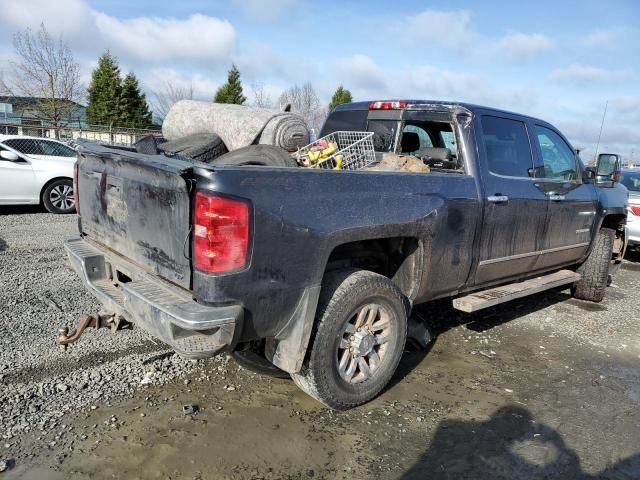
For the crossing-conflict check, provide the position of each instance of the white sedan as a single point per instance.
(36, 171)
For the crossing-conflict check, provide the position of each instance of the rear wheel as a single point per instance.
(58, 197)
(357, 340)
(595, 270)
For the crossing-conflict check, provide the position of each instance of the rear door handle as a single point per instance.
(497, 198)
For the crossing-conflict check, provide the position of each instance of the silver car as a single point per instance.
(630, 178)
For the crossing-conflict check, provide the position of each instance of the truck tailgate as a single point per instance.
(138, 206)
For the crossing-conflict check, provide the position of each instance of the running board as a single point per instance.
(494, 296)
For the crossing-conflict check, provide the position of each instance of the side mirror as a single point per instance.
(10, 156)
(608, 167)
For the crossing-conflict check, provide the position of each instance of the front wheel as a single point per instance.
(357, 340)
(595, 269)
(58, 197)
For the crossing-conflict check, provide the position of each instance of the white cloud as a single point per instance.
(627, 104)
(361, 72)
(601, 38)
(157, 79)
(580, 75)
(616, 137)
(446, 28)
(261, 61)
(161, 39)
(439, 84)
(145, 39)
(524, 45)
(59, 16)
(266, 11)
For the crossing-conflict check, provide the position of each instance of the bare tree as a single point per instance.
(47, 72)
(164, 99)
(259, 97)
(304, 101)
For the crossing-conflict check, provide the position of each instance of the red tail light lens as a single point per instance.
(388, 105)
(220, 233)
(635, 209)
(76, 193)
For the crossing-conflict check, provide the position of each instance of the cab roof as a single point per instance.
(416, 104)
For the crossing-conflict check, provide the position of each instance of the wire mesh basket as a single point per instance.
(341, 150)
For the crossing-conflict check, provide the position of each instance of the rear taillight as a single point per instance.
(388, 105)
(220, 233)
(635, 209)
(76, 193)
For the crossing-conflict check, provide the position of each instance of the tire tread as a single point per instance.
(595, 270)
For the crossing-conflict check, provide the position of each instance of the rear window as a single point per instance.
(507, 146)
(384, 134)
(350, 120)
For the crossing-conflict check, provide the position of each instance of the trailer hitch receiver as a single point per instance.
(113, 321)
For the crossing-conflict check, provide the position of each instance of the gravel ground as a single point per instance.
(39, 385)
(544, 387)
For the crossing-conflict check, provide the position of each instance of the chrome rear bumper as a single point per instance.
(168, 313)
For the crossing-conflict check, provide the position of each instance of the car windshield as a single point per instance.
(631, 180)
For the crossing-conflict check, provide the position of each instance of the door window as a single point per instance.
(55, 149)
(558, 158)
(24, 145)
(507, 146)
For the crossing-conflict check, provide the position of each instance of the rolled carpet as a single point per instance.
(237, 125)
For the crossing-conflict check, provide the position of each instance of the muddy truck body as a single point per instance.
(316, 271)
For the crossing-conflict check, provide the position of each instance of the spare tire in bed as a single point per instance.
(203, 147)
(266, 155)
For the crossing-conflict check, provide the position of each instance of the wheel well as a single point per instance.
(615, 221)
(46, 185)
(398, 258)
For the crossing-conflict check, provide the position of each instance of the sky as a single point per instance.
(560, 61)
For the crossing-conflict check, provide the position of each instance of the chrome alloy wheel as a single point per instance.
(363, 343)
(62, 197)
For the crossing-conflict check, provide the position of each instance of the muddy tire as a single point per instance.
(204, 147)
(58, 196)
(595, 270)
(266, 155)
(357, 339)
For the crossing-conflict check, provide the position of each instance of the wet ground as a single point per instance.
(543, 387)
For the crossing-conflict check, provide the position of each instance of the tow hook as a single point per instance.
(112, 321)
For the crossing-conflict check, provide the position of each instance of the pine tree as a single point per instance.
(341, 95)
(133, 104)
(231, 92)
(104, 92)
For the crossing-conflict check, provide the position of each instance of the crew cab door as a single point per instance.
(515, 209)
(572, 204)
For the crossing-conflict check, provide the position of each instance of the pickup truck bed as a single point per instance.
(433, 235)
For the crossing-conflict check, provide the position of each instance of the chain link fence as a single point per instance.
(96, 133)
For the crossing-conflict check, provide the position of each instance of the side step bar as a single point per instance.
(494, 296)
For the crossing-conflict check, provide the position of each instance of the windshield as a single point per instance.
(631, 180)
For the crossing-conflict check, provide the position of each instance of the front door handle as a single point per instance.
(497, 198)
(555, 197)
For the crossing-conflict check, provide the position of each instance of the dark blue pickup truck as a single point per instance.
(317, 271)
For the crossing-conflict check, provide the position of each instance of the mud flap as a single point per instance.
(287, 350)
